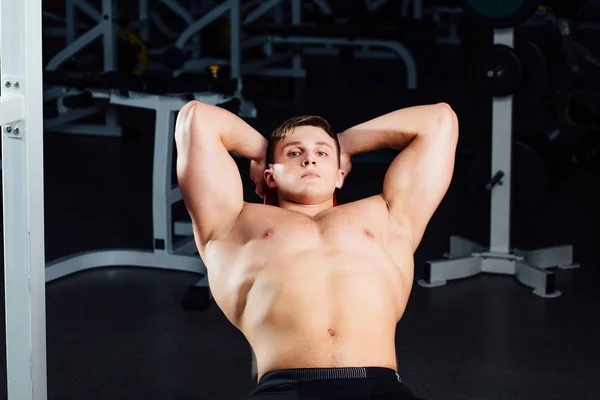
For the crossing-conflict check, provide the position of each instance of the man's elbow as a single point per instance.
(446, 121)
(183, 124)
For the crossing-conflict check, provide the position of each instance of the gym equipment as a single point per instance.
(103, 29)
(467, 258)
(500, 71)
(133, 54)
(579, 111)
(500, 13)
(307, 36)
(535, 76)
(173, 58)
(529, 186)
(23, 198)
(522, 71)
(21, 111)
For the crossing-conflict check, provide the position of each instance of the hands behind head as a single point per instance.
(257, 171)
(345, 163)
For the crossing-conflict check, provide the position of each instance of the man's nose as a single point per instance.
(309, 161)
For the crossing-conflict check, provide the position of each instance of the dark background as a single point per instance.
(117, 333)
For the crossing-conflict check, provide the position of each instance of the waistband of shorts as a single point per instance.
(296, 375)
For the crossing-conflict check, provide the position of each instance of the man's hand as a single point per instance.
(345, 163)
(257, 171)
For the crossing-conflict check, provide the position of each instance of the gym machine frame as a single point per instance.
(166, 254)
(104, 29)
(467, 258)
(311, 45)
(23, 194)
(318, 45)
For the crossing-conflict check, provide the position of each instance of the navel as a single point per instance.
(269, 233)
(330, 332)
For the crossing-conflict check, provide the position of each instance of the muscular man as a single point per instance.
(316, 289)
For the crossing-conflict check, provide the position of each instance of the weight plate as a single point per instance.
(534, 76)
(133, 55)
(499, 14)
(499, 71)
(579, 111)
(530, 180)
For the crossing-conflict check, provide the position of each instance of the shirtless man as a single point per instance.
(316, 289)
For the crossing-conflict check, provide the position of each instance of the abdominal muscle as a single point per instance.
(323, 309)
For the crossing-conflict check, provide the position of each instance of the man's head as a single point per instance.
(303, 161)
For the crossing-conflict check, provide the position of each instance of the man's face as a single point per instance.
(305, 168)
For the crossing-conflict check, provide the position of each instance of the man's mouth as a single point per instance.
(310, 174)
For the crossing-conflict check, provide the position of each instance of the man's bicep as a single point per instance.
(418, 179)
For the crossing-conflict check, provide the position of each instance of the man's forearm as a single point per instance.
(394, 130)
(236, 135)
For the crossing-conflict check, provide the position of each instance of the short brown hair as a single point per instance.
(306, 120)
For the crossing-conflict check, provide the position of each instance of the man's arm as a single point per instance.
(208, 177)
(420, 175)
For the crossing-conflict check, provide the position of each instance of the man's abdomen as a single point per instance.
(325, 309)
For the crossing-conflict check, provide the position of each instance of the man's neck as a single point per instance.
(310, 210)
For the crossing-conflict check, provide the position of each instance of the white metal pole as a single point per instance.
(23, 194)
(501, 161)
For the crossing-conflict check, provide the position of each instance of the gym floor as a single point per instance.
(120, 333)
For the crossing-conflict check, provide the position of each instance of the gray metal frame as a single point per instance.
(467, 258)
(166, 253)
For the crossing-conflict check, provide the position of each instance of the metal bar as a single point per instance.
(501, 161)
(74, 47)
(89, 10)
(70, 21)
(297, 20)
(183, 13)
(197, 26)
(143, 17)
(84, 261)
(12, 108)
(23, 204)
(235, 39)
(397, 47)
(179, 10)
(261, 10)
(161, 177)
(108, 35)
(323, 6)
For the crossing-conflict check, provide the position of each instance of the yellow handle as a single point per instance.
(214, 69)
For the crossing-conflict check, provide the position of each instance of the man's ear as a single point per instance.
(270, 181)
(339, 182)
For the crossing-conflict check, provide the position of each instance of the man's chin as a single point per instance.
(311, 197)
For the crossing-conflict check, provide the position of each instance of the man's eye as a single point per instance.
(322, 153)
(294, 153)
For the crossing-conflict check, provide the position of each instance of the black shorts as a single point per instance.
(330, 384)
